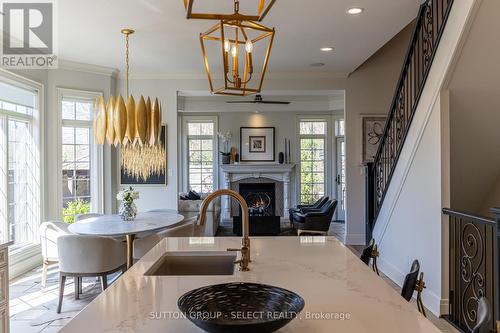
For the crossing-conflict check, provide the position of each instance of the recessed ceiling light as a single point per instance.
(318, 64)
(355, 10)
(326, 49)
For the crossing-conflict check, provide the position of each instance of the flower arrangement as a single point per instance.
(226, 139)
(128, 209)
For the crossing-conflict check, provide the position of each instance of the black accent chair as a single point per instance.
(370, 253)
(304, 208)
(483, 316)
(413, 283)
(315, 221)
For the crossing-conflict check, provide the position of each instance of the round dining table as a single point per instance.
(114, 226)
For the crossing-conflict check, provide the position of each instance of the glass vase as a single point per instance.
(128, 211)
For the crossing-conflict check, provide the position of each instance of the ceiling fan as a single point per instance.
(258, 100)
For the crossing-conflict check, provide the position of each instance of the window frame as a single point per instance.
(96, 151)
(329, 156)
(185, 120)
(20, 255)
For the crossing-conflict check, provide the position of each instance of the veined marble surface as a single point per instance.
(113, 225)
(334, 283)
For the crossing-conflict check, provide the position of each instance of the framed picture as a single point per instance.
(159, 179)
(257, 144)
(373, 130)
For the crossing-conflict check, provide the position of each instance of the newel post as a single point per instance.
(369, 199)
(496, 269)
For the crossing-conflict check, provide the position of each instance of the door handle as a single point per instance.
(338, 179)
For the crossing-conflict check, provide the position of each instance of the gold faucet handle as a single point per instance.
(234, 250)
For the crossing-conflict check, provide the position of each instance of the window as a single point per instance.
(19, 164)
(340, 127)
(80, 170)
(201, 155)
(312, 145)
(341, 172)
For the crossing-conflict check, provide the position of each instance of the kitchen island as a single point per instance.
(341, 293)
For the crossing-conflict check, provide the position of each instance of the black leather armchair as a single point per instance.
(304, 208)
(315, 221)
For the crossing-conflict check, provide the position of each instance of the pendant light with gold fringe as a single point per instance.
(133, 126)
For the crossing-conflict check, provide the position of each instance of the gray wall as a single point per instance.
(475, 116)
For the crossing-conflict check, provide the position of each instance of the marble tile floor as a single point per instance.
(33, 309)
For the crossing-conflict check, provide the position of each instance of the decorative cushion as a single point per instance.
(193, 195)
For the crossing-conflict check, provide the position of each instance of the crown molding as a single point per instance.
(114, 72)
(87, 68)
(202, 76)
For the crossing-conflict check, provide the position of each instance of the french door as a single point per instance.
(340, 178)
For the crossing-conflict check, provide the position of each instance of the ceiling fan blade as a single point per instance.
(242, 102)
(261, 6)
(274, 102)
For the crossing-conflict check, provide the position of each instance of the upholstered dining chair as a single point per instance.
(483, 316)
(50, 231)
(88, 256)
(370, 253)
(413, 282)
(188, 228)
(316, 221)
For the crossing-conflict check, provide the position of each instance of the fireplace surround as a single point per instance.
(237, 174)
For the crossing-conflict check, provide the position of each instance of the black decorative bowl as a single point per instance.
(240, 307)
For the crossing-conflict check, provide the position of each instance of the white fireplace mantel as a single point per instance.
(237, 172)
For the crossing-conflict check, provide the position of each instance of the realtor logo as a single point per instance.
(28, 35)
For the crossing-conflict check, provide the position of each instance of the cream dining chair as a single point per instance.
(88, 256)
(187, 229)
(50, 231)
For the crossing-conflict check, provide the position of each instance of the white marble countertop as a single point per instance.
(322, 270)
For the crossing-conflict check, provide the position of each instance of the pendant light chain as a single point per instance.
(126, 61)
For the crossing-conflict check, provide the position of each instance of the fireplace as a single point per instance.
(236, 175)
(261, 200)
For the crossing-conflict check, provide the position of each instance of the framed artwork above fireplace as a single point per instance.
(257, 144)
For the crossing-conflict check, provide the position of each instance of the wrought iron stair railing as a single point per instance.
(429, 27)
(473, 268)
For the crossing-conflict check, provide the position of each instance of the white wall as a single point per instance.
(413, 227)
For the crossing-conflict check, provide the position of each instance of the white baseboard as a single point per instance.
(24, 261)
(445, 306)
(355, 239)
(432, 302)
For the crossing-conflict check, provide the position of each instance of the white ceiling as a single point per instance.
(165, 42)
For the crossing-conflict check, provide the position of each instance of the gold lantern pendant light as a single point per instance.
(133, 126)
(235, 34)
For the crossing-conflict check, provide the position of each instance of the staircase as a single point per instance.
(429, 26)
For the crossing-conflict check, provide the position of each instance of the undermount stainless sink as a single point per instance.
(194, 263)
